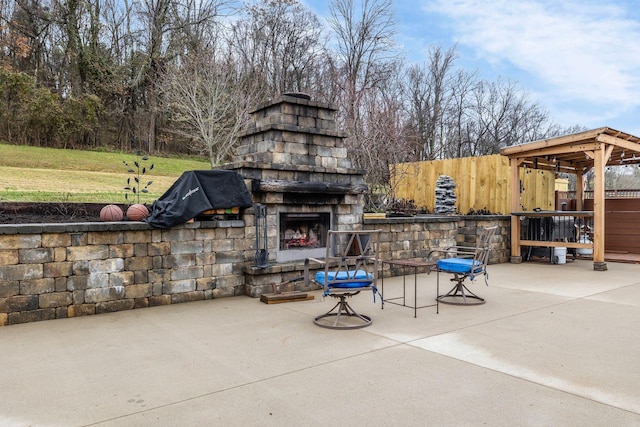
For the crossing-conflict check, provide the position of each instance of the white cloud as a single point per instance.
(577, 50)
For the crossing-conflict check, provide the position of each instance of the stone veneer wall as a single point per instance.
(52, 271)
(413, 238)
(470, 225)
(55, 271)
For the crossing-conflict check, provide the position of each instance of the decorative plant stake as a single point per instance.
(138, 170)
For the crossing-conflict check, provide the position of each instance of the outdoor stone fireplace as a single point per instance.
(295, 159)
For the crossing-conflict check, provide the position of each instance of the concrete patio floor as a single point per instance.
(555, 345)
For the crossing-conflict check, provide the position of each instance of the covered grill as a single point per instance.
(196, 192)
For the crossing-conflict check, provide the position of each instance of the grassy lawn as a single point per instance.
(33, 174)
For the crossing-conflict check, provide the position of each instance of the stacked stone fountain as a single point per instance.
(445, 195)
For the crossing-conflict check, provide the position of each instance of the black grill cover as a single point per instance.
(195, 192)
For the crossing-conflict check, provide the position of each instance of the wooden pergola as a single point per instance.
(577, 154)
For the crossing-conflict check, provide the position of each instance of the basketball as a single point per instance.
(137, 212)
(111, 213)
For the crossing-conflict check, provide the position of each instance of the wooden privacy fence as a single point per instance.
(481, 183)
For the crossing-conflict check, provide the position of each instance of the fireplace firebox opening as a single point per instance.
(303, 230)
(302, 235)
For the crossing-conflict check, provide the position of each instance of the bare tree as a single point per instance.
(163, 24)
(209, 102)
(429, 92)
(364, 32)
(498, 114)
(456, 136)
(279, 43)
(25, 31)
(324, 79)
(384, 143)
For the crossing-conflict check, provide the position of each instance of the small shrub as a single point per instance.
(405, 207)
(483, 211)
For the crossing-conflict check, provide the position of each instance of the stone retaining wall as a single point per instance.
(470, 225)
(414, 237)
(51, 271)
(67, 270)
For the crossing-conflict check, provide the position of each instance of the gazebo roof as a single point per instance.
(574, 153)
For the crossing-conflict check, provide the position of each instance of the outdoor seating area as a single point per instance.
(552, 345)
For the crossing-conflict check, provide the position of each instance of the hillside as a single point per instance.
(33, 174)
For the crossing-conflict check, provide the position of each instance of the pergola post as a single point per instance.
(599, 163)
(516, 256)
(579, 191)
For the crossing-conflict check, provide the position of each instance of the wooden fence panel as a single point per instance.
(620, 224)
(481, 183)
(538, 189)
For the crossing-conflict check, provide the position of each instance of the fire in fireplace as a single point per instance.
(303, 234)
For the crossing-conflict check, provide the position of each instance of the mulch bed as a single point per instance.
(42, 213)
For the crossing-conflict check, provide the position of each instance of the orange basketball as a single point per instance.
(111, 213)
(137, 212)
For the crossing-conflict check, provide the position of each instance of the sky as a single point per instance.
(578, 59)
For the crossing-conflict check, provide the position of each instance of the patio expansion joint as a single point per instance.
(239, 386)
(555, 388)
(609, 290)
